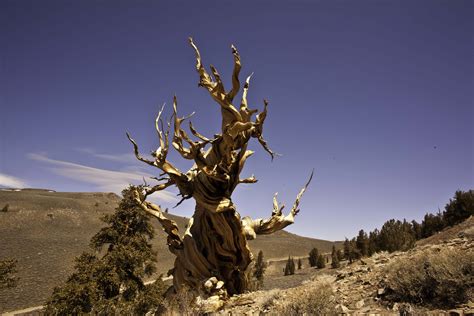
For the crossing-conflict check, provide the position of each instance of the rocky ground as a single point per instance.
(356, 289)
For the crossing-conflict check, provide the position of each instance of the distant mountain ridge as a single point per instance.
(45, 230)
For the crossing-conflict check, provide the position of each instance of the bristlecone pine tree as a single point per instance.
(215, 241)
(112, 284)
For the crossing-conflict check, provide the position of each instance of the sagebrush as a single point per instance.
(440, 278)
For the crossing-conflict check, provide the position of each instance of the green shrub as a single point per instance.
(441, 279)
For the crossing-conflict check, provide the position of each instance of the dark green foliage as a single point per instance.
(373, 245)
(113, 283)
(340, 256)
(334, 258)
(347, 249)
(5, 208)
(459, 208)
(351, 252)
(300, 264)
(321, 262)
(313, 257)
(362, 243)
(417, 229)
(431, 224)
(396, 235)
(7, 270)
(259, 270)
(290, 266)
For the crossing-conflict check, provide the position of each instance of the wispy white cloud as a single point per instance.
(124, 158)
(11, 181)
(104, 180)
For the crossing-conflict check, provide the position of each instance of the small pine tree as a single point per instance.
(290, 266)
(340, 256)
(347, 249)
(321, 263)
(259, 270)
(373, 242)
(300, 264)
(362, 243)
(5, 208)
(113, 283)
(7, 271)
(313, 257)
(334, 258)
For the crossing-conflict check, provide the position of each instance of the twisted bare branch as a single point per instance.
(170, 227)
(277, 221)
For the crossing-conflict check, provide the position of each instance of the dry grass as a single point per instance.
(314, 298)
(440, 279)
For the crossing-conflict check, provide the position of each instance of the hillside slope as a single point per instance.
(45, 230)
(366, 286)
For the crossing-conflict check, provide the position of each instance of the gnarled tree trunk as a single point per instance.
(213, 255)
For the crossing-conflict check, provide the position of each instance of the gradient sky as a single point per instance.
(376, 96)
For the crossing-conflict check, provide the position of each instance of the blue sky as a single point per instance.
(376, 96)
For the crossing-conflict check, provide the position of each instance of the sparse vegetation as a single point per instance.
(182, 303)
(113, 283)
(7, 271)
(316, 299)
(441, 279)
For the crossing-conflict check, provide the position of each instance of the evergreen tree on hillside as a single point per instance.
(432, 224)
(300, 264)
(362, 243)
(313, 257)
(347, 249)
(321, 262)
(354, 252)
(290, 266)
(334, 258)
(417, 229)
(396, 235)
(340, 256)
(113, 283)
(260, 267)
(373, 245)
(459, 208)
